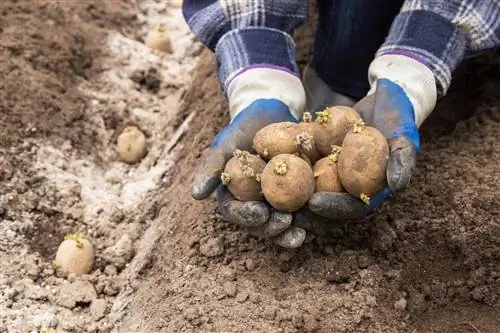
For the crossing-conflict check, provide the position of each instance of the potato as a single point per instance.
(242, 176)
(75, 255)
(287, 182)
(335, 123)
(308, 125)
(362, 164)
(131, 144)
(326, 173)
(306, 148)
(275, 139)
(157, 39)
(284, 138)
(308, 130)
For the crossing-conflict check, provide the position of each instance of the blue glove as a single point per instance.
(260, 219)
(390, 111)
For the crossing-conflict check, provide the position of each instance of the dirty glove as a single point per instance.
(257, 97)
(403, 93)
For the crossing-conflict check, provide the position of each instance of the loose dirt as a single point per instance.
(75, 73)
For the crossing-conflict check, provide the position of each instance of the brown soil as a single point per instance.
(426, 262)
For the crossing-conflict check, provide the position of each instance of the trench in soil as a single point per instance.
(427, 261)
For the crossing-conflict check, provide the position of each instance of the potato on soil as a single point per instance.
(75, 255)
(287, 182)
(362, 164)
(326, 174)
(157, 39)
(335, 123)
(241, 176)
(284, 138)
(131, 144)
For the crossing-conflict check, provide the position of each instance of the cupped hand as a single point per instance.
(260, 218)
(389, 110)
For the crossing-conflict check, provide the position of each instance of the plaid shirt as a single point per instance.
(245, 33)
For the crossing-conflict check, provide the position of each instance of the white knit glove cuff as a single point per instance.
(266, 82)
(416, 79)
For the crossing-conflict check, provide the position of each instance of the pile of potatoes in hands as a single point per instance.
(336, 152)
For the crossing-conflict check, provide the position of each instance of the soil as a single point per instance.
(75, 74)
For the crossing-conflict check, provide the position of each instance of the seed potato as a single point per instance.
(75, 255)
(132, 144)
(363, 162)
(157, 39)
(241, 176)
(326, 174)
(287, 182)
(335, 123)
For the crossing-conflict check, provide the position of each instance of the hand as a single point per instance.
(260, 219)
(389, 110)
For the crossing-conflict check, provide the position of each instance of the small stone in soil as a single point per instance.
(191, 313)
(98, 309)
(110, 270)
(400, 304)
(241, 297)
(212, 247)
(81, 292)
(228, 274)
(250, 264)
(120, 253)
(230, 288)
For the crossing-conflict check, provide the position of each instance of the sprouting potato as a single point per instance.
(336, 122)
(157, 39)
(132, 144)
(75, 255)
(363, 162)
(284, 138)
(287, 182)
(241, 176)
(326, 173)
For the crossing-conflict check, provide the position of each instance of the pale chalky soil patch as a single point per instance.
(95, 192)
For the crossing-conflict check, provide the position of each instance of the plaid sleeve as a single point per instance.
(440, 33)
(246, 33)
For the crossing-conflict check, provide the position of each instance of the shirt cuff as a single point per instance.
(244, 48)
(430, 39)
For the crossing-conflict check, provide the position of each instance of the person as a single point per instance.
(389, 59)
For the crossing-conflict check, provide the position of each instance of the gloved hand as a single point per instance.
(255, 100)
(403, 94)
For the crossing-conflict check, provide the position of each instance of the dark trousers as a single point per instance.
(349, 32)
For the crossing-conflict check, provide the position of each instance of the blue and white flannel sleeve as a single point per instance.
(247, 33)
(441, 33)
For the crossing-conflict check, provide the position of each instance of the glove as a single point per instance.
(257, 98)
(403, 93)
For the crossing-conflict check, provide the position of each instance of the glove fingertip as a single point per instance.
(401, 164)
(315, 202)
(292, 238)
(203, 187)
(336, 205)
